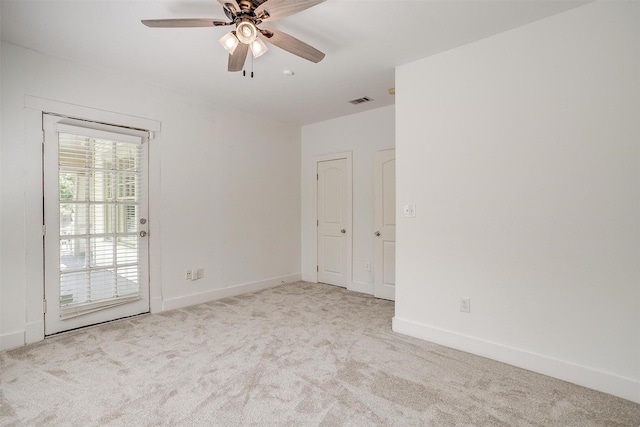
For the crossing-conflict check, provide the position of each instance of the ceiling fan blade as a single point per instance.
(178, 23)
(236, 60)
(230, 5)
(277, 9)
(292, 45)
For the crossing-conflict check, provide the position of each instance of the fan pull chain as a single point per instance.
(244, 71)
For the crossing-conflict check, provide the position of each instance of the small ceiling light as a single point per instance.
(246, 32)
(258, 48)
(230, 42)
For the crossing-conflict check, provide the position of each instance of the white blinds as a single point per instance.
(100, 191)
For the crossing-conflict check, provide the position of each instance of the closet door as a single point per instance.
(385, 224)
(333, 227)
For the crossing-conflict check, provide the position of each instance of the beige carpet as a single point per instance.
(298, 355)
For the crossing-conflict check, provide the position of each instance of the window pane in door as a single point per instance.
(127, 280)
(73, 254)
(101, 252)
(99, 189)
(101, 219)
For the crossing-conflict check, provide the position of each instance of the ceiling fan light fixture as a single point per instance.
(246, 32)
(245, 16)
(258, 48)
(230, 42)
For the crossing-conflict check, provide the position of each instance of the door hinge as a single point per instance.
(317, 223)
(44, 230)
(317, 268)
(43, 136)
(44, 306)
(317, 177)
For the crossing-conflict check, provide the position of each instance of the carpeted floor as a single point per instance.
(297, 355)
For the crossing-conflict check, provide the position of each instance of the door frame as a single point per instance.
(348, 155)
(35, 107)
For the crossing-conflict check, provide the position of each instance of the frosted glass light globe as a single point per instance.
(246, 32)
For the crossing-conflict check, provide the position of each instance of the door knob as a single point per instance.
(377, 233)
(343, 231)
(143, 233)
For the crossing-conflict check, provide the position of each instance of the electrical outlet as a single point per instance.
(189, 275)
(465, 305)
(367, 266)
(409, 211)
(199, 273)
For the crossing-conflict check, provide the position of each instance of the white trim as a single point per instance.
(365, 288)
(154, 197)
(155, 305)
(348, 155)
(625, 388)
(310, 277)
(34, 332)
(79, 111)
(11, 340)
(200, 298)
(33, 209)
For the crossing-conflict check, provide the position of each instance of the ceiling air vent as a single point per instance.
(360, 100)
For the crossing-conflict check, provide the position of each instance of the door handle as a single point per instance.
(343, 231)
(143, 233)
(377, 233)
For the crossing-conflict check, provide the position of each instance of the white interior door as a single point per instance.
(385, 224)
(333, 227)
(95, 187)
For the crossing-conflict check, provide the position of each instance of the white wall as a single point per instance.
(225, 189)
(521, 152)
(362, 134)
(1, 191)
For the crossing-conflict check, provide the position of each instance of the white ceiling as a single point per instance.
(363, 40)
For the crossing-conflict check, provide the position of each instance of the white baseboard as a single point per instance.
(34, 332)
(11, 340)
(625, 388)
(365, 288)
(173, 303)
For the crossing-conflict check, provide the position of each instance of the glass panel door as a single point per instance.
(95, 216)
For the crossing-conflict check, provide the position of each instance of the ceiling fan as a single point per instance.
(246, 15)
